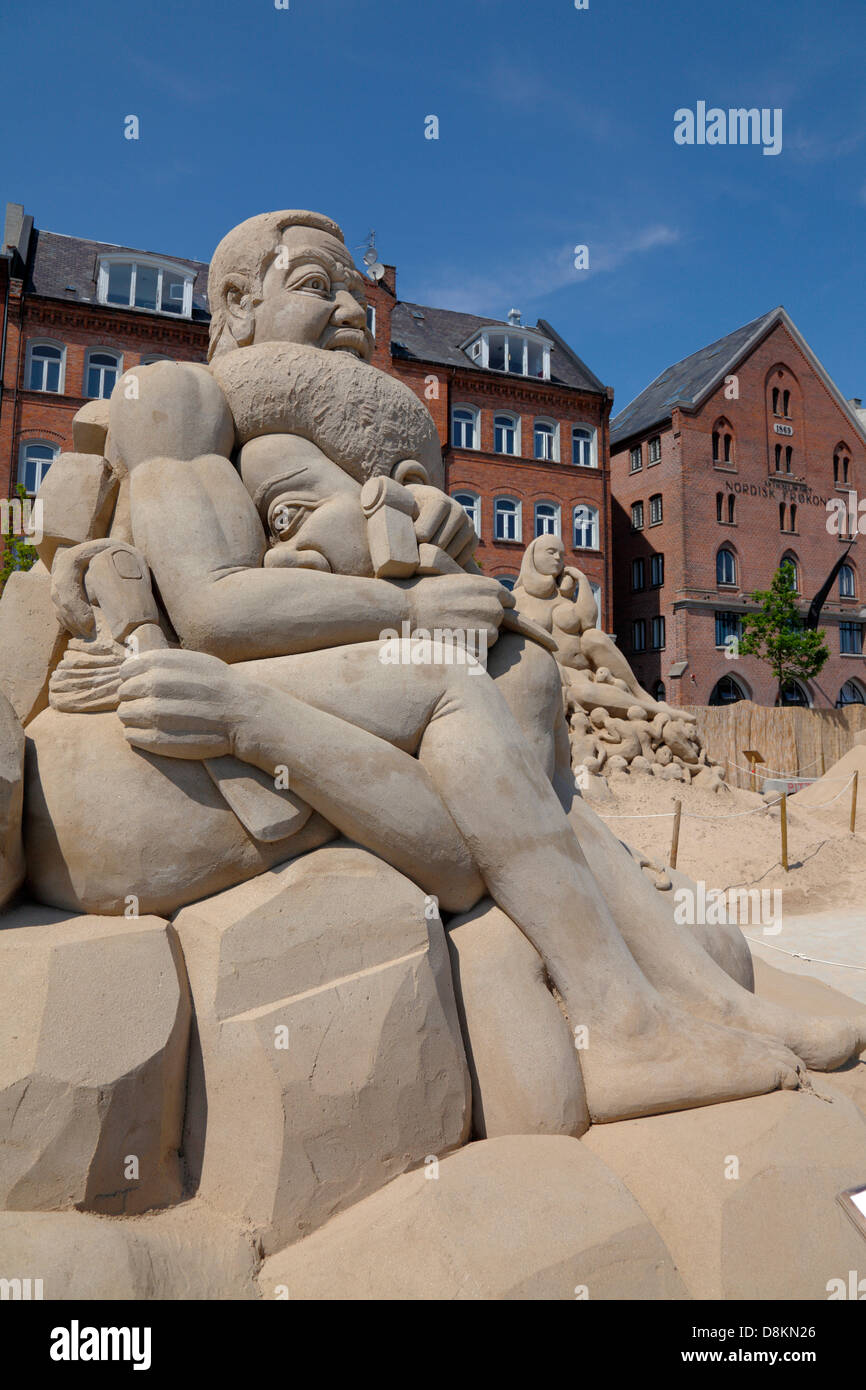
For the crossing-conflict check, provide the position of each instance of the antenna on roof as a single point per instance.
(515, 318)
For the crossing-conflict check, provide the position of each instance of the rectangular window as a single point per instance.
(655, 509)
(728, 625)
(635, 458)
(638, 575)
(638, 635)
(851, 639)
(371, 319)
(658, 633)
(657, 571)
(655, 449)
(637, 516)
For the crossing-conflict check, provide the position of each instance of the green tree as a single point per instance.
(777, 635)
(15, 551)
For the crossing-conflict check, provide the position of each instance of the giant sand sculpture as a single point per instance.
(292, 927)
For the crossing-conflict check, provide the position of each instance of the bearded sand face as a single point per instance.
(288, 278)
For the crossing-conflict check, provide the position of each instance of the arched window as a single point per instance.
(841, 464)
(720, 506)
(851, 694)
(547, 521)
(776, 394)
(793, 693)
(659, 692)
(656, 513)
(716, 443)
(583, 451)
(778, 458)
(726, 566)
(847, 588)
(727, 691)
(546, 441)
(45, 368)
(464, 427)
(586, 527)
(35, 459)
(506, 519)
(507, 581)
(786, 404)
(155, 357)
(789, 457)
(471, 504)
(792, 563)
(723, 441)
(505, 434)
(163, 286)
(596, 593)
(793, 516)
(103, 369)
(731, 507)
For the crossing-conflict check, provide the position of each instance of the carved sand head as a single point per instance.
(542, 564)
(287, 277)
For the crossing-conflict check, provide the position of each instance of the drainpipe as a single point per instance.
(6, 256)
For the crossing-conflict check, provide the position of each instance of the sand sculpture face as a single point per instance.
(312, 294)
(548, 555)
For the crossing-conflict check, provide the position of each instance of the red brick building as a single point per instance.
(523, 421)
(721, 469)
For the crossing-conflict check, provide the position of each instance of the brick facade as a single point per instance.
(690, 534)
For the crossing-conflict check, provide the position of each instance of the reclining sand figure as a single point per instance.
(445, 774)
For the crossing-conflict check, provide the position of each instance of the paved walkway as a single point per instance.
(825, 936)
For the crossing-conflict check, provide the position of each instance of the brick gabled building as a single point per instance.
(523, 421)
(721, 469)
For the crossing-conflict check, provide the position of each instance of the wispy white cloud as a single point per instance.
(533, 277)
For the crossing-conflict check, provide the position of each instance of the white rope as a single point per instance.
(798, 955)
(821, 804)
(693, 815)
(773, 771)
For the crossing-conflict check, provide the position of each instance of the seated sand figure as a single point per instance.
(445, 774)
(560, 598)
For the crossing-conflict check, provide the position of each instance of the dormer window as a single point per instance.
(517, 350)
(163, 287)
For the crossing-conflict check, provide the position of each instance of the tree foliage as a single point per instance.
(777, 635)
(16, 553)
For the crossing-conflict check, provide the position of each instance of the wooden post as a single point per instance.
(785, 831)
(675, 838)
(854, 802)
(754, 758)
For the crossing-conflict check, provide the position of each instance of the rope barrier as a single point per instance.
(772, 771)
(738, 815)
(798, 955)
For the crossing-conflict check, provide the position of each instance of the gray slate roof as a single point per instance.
(418, 332)
(56, 261)
(436, 336)
(684, 381)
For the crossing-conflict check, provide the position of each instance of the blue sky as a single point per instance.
(556, 129)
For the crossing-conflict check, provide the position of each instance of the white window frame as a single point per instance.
(164, 267)
(556, 518)
(655, 439)
(100, 367)
(850, 570)
(636, 450)
(517, 514)
(475, 514)
(474, 411)
(22, 461)
(477, 349)
(155, 357)
(554, 440)
(593, 445)
(515, 424)
(726, 583)
(32, 344)
(638, 525)
(596, 593)
(371, 319)
(596, 526)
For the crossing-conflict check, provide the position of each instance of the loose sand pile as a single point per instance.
(729, 849)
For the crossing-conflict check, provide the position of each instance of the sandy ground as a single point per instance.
(823, 896)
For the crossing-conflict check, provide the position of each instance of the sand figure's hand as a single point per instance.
(178, 703)
(462, 602)
(443, 521)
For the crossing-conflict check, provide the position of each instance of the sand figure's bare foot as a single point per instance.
(675, 962)
(669, 1060)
